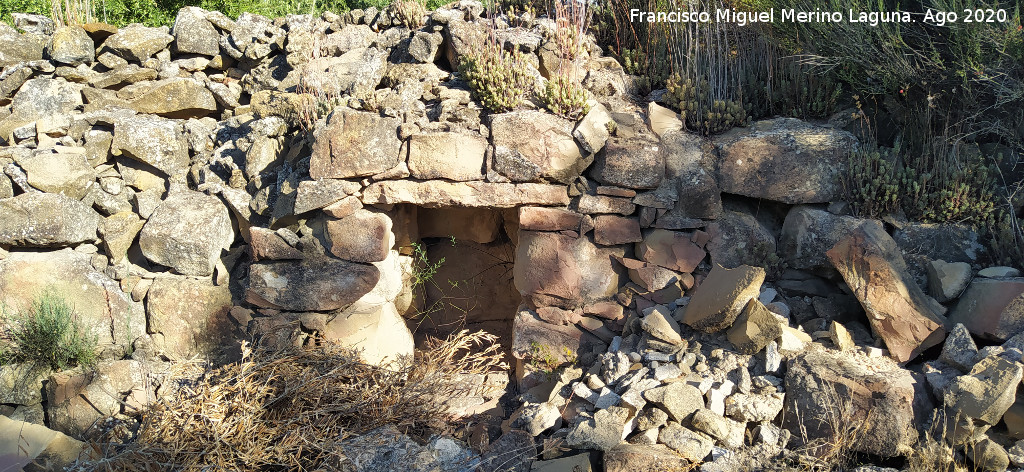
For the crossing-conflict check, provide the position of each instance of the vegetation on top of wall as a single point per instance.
(163, 12)
(46, 334)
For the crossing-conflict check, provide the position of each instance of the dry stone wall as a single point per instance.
(177, 186)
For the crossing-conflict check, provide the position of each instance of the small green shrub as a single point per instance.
(499, 79)
(564, 96)
(49, 334)
(699, 112)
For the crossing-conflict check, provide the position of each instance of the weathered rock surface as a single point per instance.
(900, 313)
(176, 98)
(155, 141)
(670, 249)
(71, 45)
(355, 144)
(138, 43)
(735, 236)
(754, 328)
(46, 220)
(64, 170)
(785, 160)
(379, 334)
(187, 233)
(946, 280)
(187, 317)
(452, 156)
(194, 34)
(550, 153)
(312, 285)
(808, 233)
(992, 308)
(641, 458)
(76, 400)
(986, 392)
(363, 236)
(875, 393)
(637, 163)
(721, 297)
(24, 443)
(438, 193)
(556, 270)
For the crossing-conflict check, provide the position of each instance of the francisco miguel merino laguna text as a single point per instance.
(743, 18)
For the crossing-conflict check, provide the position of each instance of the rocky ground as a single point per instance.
(671, 301)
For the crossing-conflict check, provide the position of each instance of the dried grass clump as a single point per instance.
(290, 409)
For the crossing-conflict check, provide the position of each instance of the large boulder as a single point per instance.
(356, 72)
(829, 393)
(549, 153)
(552, 269)
(155, 141)
(37, 99)
(691, 178)
(46, 220)
(439, 193)
(310, 285)
(736, 238)
(187, 233)
(785, 160)
(992, 308)
(187, 316)
(452, 156)
(100, 305)
(899, 311)
(76, 400)
(986, 393)
(363, 236)
(355, 144)
(807, 233)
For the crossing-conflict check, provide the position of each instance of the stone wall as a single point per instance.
(173, 184)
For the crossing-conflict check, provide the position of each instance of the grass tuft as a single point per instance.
(48, 334)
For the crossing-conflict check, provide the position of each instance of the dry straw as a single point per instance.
(290, 409)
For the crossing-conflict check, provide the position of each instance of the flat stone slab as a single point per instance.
(436, 193)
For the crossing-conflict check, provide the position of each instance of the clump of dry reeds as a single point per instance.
(290, 409)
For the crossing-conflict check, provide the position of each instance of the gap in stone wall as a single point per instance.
(473, 287)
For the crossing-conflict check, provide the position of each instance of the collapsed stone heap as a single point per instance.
(176, 186)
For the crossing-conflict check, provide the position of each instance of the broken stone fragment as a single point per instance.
(721, 297)
(900, 313)
(754, 328)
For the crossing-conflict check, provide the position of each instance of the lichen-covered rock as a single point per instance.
(187, 233)
(152, 140)
(452, 156)
(46, 220)
(550, 153)
(62, 170)
(356, 72)
(637, 163)
(828, 384)
(735, 236)
(138, 43)
(39, 98)
(71, 45)
(355, 144)
(176, 98)
(785, 160)
(310, 285)
(16, 47)
(188, 317)
(194, 34)
(118, 232)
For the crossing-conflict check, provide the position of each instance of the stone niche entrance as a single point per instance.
(461, 273)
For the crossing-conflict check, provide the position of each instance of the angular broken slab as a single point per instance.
(721, 297)
(24, 443)
(355, 144)
(439, 193)
(754, 328)
(900, 313)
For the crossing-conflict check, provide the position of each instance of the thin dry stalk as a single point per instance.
(290, 409)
